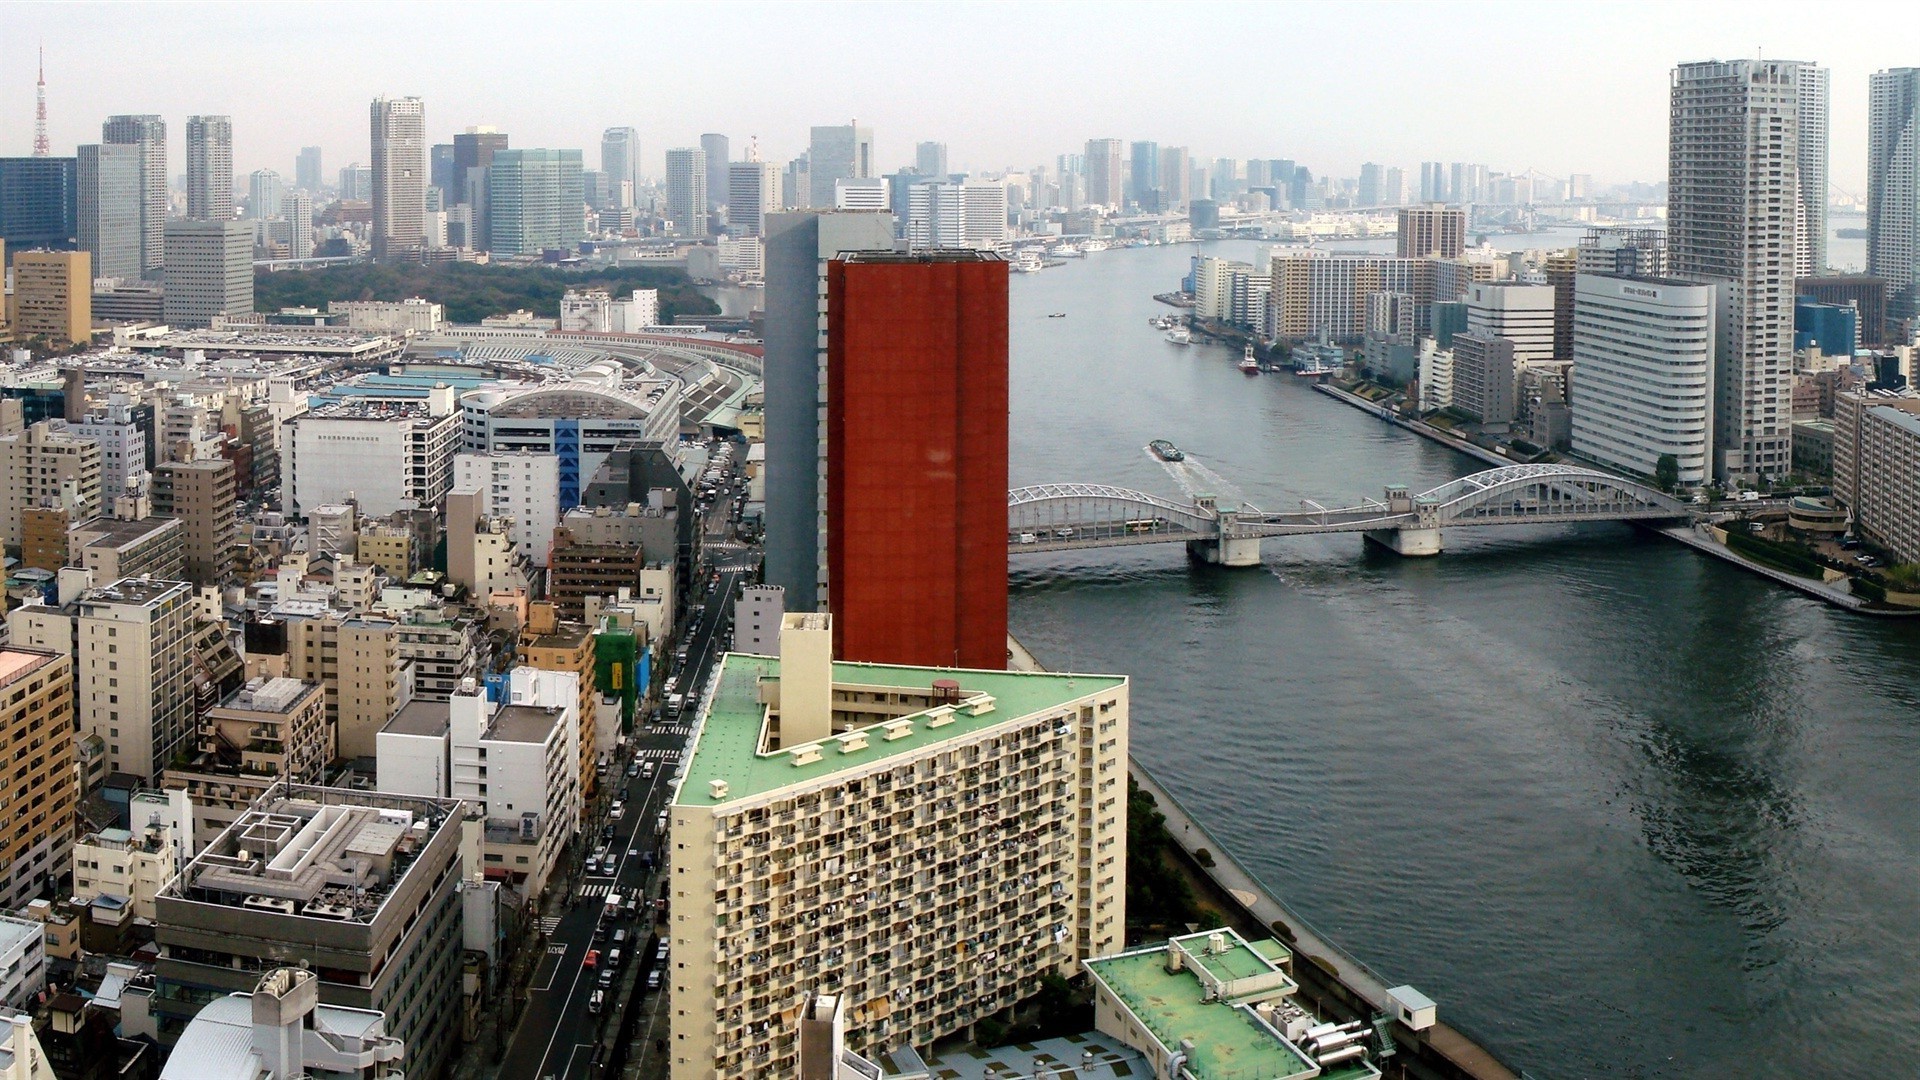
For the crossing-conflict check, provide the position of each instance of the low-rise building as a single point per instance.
(281, 1031)
(113, 548)
(136, 863)
(362, 886)
(410, 316)
(23, 962)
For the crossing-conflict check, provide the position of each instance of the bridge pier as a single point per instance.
(1411, 542)
(1227, 551)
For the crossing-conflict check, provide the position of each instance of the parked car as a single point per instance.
(592, 958)
(597, 1002)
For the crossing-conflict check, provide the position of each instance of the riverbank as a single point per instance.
(1418, 427)
(1348, 986)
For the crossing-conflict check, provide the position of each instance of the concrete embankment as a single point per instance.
(1424, 430)
(1339, 981)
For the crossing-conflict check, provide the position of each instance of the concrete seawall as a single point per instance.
(1442, 1050)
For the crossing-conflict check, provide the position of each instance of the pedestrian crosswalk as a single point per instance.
(660, 753)
(549, 924)
(595, 890)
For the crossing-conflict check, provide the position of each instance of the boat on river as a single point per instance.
(1248, 364)
(1166, 451)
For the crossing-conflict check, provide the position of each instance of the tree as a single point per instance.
(1666, 472)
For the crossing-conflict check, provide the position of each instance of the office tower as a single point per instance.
(1432, 231)
(1373, 181)
(298, 210)
(1732, 223)
(474, 149)
(753, 192)
(1631, 251)
(1145, 175)
(837, 153)
(930, 159)
(1104, 173)
(53, 296)
(1394, 191)
(149, 133)
(1866, 294)
(265, 193)
(397, 127)
(442, 174)
(200, 494)
(687, 191)
(356, 183)
(379, 454)
(968, 214)
(36, 712)
(1893, 190)
(209, 271)
(369, 882)
(1017, 849)
(796, 184)
(38, 202)
(107, 179)
(1175, 170)
(210, 168)
(1579, 187)
(718, 155)
(1810, 229)
(917, 433)
(534, 201)
(862, 194)
(1522, 314)
(620, 162)
(1643, 349)
(798, 248)
(306, 170)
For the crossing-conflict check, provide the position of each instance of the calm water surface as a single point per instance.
(1621, 810)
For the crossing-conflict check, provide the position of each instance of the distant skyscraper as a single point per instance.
(298, 210)
(209, 271)
(149, 133)
(356, 182)
(306, 170)
(1433, 231)
(967, 214)
(1372, 180)
(753, 192)
(442, 174)
(209, 168)
(38, 201)
(1146, 175)
(1433, 182)
(1104, 173)
(534, 201)
(837, 153)
(687, 191)
(265, 194)
(1175, 172)
(399, 140)
(930, 159)
(620, 164)
(1893, 188)
(718, 152)
(108, 225)
(1394, 191)
(1810, 234)
(1733, 224)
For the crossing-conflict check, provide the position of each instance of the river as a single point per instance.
(1622, 810)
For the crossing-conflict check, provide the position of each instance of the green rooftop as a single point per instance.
(1228, 1041)
(726, 744)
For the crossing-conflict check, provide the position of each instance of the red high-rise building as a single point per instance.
(916, 457)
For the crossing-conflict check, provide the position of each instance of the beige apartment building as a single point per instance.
(201, 495)
(37, 793)
(53, 296)
(269, 730)
(114, 548)
(924, 843)
(46, 466)
(1876, 468)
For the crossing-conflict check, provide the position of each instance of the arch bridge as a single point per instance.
(1064, 517)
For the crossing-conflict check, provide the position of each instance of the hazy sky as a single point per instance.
(1558, 87)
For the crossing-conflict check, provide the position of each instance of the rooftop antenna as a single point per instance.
(753, 148)
(42, 146)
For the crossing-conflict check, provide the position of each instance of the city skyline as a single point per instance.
(1321, 115)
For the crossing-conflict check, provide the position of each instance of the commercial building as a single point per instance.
(1893, 189)
(916, 457)
(201, 496)
(36, 719)
(510, 748)
(1485, 379)
(969, 214)
(1105, 174)
(53, 296)
(1643, 348)
(944, 839)
(799, 247)
(1522, 314)
(549, 643)
(363, 886)
(46, 466)
(210, 169)
(1632, 251)
(269, 729)
(386, 455)
(595, 311)
(399, 145)
(930, 158)
(1876, 468)
(1433, 231)
(306, 170)
(687, 191)
(535, 202)
(840, 152)
(1736, 225)
(280, 1031)
(523, 487)
(579, 421)
(719, 154)
(1825, 329)
(147, 133)
(38, 202)
(598, 551)
(753, 192)
(1867, 295)
(111, 548)
(108, 208)
(209, 271)
(756, 619)
(620, 164)
(410, 316)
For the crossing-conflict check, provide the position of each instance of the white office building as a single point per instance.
(753, 192)
(522, 486)
(687, 191)
(1523, 314)
(1643, 348)
(597, 311)
(969, 214)
(410, 316)
(386, 455)
(861, 193)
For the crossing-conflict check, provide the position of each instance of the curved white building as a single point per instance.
(1643, 352)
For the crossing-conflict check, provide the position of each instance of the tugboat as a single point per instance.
(1166, 451)
(1248, 364)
